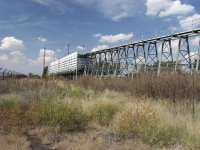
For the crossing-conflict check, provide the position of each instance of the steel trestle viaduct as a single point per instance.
(156, 54)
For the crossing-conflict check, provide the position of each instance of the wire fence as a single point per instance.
(8, 74)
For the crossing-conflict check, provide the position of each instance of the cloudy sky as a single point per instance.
(26, 26)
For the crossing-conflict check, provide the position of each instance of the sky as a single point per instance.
(27, 26)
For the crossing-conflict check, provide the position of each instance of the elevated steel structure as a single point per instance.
(145, 55)
(156, 54)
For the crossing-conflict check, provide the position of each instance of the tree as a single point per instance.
(31, 75)
(45, 72)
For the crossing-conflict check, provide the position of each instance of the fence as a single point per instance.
(7, 73)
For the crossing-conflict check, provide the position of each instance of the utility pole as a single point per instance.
(44, 58)
(68, 45)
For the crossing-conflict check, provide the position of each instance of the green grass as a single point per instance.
(67, 115)
(103, 111)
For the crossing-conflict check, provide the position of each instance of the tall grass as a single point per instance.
(103, 111)
(12, 111)
(137, 108)
(67, 115)
(176, 87)
(145, 122)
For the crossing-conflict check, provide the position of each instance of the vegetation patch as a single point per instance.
(144, 122)
(12, 111)
(67, 115)
(103, 111)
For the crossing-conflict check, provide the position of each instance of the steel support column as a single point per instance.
(165, 55)
(197, 62)
(103, 68)
(141, 57)
(152, 56)
(130, 60)
(183, 59)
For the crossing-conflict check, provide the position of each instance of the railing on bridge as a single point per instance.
(7, 74)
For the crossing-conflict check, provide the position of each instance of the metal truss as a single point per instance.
(166, 56)
(183, 59)
(123, 67)
(152, 56)
(143, 56)
(140, 57)
(103, 66)
(109, 66)
(116, 62)
(131, 60)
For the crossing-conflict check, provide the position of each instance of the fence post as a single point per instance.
(4, 74)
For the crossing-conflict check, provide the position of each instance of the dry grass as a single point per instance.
(13, 142)
(99, 141)
(176, 87)
(144, 121)
(145, 112)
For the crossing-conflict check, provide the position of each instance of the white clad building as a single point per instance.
(69, 64)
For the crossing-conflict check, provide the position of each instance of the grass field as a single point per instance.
(146, 112)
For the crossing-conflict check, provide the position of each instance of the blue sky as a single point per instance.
(26, 26)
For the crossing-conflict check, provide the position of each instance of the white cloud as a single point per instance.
(97, 35)
(49, 55)
(114, 38)
(44, 2)
(166, 8)
(17, 57)
(55, 6)
(12, 44)
(115, 9)
(80, 48)
(42, 39)
(3, 57)
(190, 22)
(100, 47)
(195, 41)
(16, 60)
